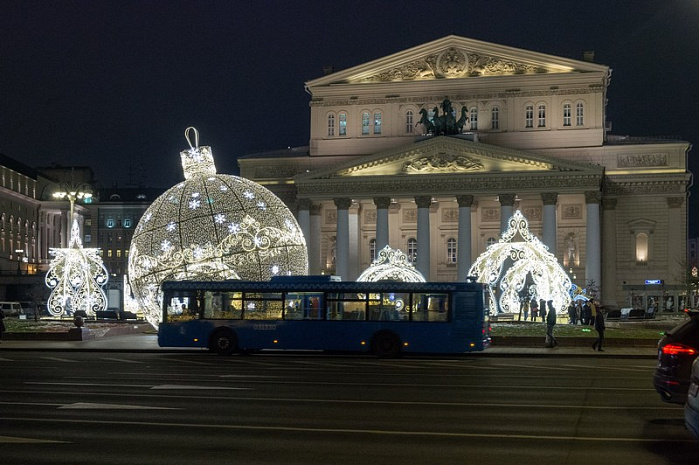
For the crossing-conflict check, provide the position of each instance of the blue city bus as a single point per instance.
(320, 313)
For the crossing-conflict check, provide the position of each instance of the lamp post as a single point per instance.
(73, 193)
(19, 253)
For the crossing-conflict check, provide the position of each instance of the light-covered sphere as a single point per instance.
(212, 227)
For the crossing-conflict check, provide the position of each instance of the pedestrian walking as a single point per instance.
(542, 310)
(586, 314)
(534, 306)
(599, 327)
(550, 323)
(2, 324)
(525, 306)
(593, 311)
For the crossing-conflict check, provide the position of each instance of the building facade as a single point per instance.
(432, 149)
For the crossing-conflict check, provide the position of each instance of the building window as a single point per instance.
(331, 125)
(109, 253)
(127, 222)
(343, 123)
(490, 241)
(372, 250)
(642, 248)
(579, 112)
(118, 253)
(495, 118)
(409, 121)
(451, 251)
(567, 117)
(529, 116)
(365, 124)
(88, 238)
(377, 122)
(542, 115)
(110, 222)
(88, 221)
(412, 250)
(474, 118)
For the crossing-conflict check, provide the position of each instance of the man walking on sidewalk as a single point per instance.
(550, 323)
(599, 327)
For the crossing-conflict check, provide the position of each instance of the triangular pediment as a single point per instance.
(456, 57)
(450, 155)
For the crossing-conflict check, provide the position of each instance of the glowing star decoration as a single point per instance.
(76, 276)
(210, 227)
(513, 265)
(391, 265)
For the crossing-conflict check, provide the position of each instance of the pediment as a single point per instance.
(448, 156)
(455, 57)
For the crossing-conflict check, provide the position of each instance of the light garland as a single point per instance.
(509, 264)
(391, 265)
(212, 227)
(76, 276)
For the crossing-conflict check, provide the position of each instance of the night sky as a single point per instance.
(113, 84)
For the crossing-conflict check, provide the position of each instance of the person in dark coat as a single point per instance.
(550, 323)
(534, 306)
(599, 327)
(542, 310)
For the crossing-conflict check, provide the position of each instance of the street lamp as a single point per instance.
(73, 193)
(19, 253)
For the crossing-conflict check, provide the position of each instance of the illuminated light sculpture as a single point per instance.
(509, 264)
(76, 277)
(212, 227)
(391, 265)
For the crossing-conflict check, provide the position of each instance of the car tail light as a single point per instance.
(678, 349)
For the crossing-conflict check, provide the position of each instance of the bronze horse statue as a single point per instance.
(462, 121)
(425, 121)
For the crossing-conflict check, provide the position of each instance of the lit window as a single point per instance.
(567, 118)
(127, 222)
(495, 118)
(118, 253)
(642, 248)
(110, 222)
(451, 250)
(409, 121)
(331, 125)
(542, 115)
(109, 253)
(579, 112)
(377, 122)
(343, 123)
(412, 250)
(372, 250)
(365, 124)
(88, 238)
(474, 118)
(529, 116)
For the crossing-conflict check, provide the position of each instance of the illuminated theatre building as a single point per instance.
(511, 130)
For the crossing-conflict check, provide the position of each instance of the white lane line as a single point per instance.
(45, 383)
(191, 362)
(121, 360)
(192, 387)
(14, 440)
(6, 359)
(540, 367)
(91, 406)
(377, 432)
(613, 368)
(58, 359)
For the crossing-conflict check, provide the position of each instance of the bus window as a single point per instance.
(353, 310)
(258, 306)
(430, 307)
(182, 307)
(302, 305)
(223, 305)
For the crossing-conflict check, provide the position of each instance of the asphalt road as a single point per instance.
(198, 408)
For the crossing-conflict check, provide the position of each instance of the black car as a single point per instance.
(676, 353)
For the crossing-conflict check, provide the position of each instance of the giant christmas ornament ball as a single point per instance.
(212, 227)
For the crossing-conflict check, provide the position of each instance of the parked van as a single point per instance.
(11, 308)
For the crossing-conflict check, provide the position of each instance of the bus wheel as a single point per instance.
(223, 342)
(385, 344)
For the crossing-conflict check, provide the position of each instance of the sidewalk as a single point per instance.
(149, 343)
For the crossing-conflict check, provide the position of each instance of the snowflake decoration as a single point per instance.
(220, 218)
(194, 204)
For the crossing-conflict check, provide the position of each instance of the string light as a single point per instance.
(391, 265)
(508, 264)
(212, 227)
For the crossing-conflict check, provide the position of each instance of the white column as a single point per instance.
(314, 265)
(304, 218)
(593, 253)
(549, 232)
(423, 234)
(676, 244)
(353, 227)
(463, 250)
(608, 289)
(507, 203)
(342, 244)
(382, 234)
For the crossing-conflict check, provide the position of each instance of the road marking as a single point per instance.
(57, 359)
(377, 432)
(633, 370)
(89, 384)
(192, 362)
(13, 440)
(191, 387)
(121, 360)
(91, 406)
(6, 360)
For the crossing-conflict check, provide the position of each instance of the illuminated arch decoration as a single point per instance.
(391, 265)
(76, 277)
(212, 227)
(508, 265)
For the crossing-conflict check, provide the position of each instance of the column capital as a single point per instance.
(549, 198)
(304, 204)
(315, 208)
(609, 204)
(675, 202)
(382, 202)
(423, 201)
(465, 200)
(593, 196)
(343, 203)
(507, 200)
